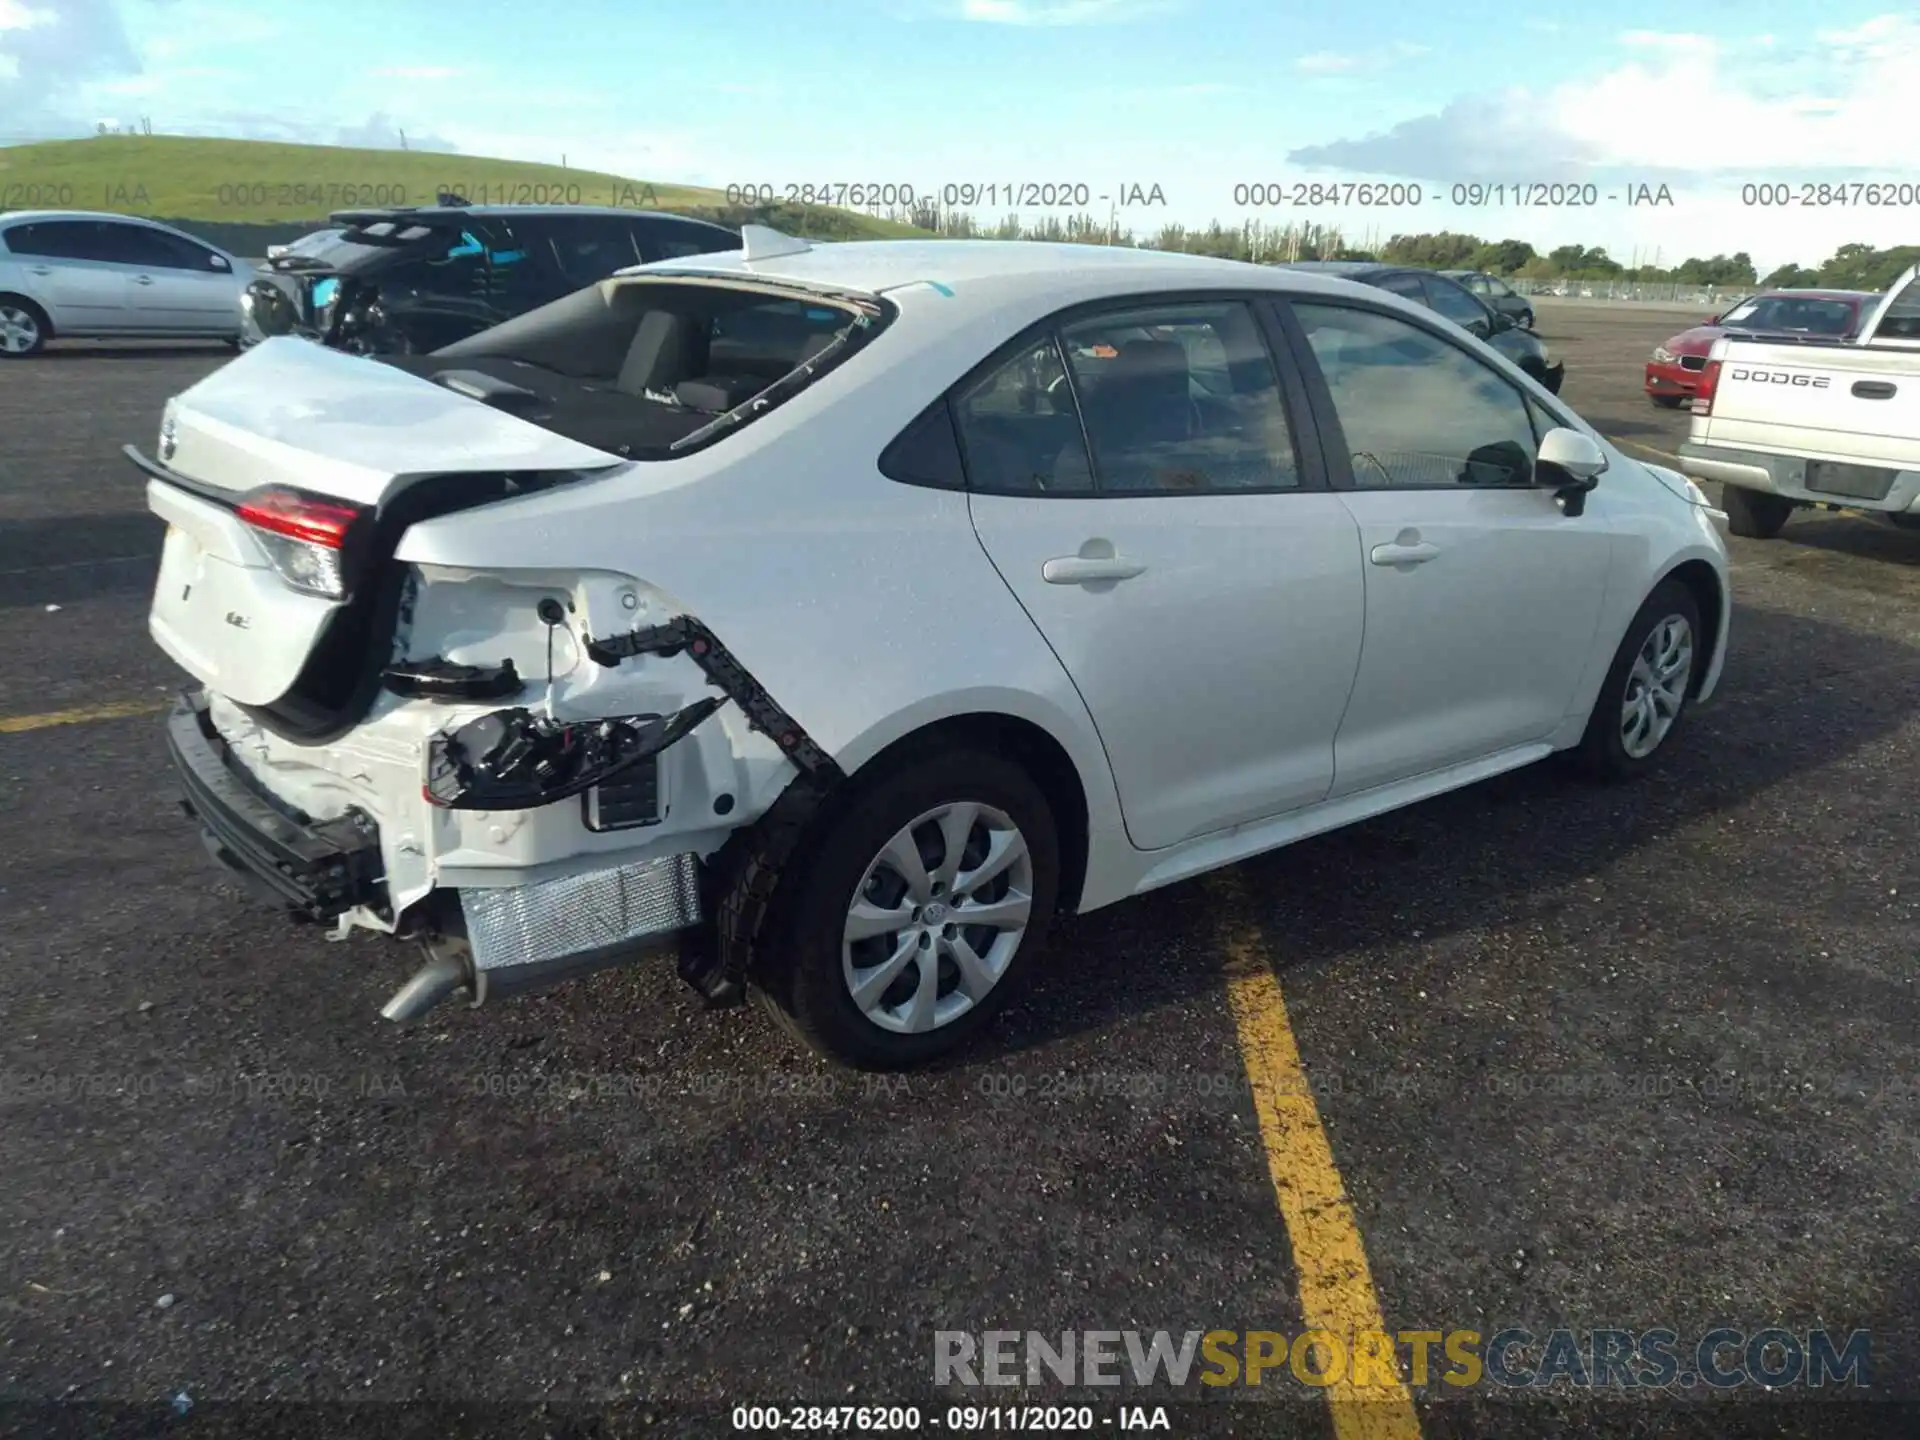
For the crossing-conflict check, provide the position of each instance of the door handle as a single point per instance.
(1080, 569)
(1873, 389)
(41, 269)
(1396, 554)
(143, 279)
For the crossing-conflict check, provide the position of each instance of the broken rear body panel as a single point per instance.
(731, 540)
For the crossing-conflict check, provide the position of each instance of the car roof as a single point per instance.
(10, 218)
(429, 214)
(1338, 267)
(1818, 294)
(15, 217)
(1009, 268)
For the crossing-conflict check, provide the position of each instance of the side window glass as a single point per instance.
(1902, 320)
(136, 245)
(23, 240)
(590, 250)
(1019, 430)
(1418, 412)
(926, 452)
(184, 254)
(1182, 397)
(666, 241)
(44, 238)
(1499, 289)
(1454, 303)
(1408, 286)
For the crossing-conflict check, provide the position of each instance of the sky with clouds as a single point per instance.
(1196, 97)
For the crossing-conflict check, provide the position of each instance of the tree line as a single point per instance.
(1851, 267)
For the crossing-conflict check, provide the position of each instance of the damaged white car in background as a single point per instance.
(835, 615)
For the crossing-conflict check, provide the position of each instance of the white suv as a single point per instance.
(73, 273)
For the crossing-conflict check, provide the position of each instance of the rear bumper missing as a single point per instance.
(319, 871)
(488, 942)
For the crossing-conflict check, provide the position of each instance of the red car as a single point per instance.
(1773, 315)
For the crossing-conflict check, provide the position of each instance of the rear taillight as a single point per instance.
(1703, 391)
(305, 537)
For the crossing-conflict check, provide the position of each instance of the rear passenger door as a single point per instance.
(72, 274)
(1137, 476)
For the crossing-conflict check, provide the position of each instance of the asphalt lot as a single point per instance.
(1588, 1058)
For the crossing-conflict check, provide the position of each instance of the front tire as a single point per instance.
(1754, 513)
(912, 912)
(1644, 697)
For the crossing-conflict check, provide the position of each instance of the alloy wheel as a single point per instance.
(19, 331)
(937, 918)
(1656, 686)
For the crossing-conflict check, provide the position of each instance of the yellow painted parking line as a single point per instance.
(1336, 1284)
(14, 724)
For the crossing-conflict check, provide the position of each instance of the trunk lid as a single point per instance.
(1839, 402)
(293, 458)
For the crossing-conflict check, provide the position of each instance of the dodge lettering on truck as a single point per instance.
(1785, 424)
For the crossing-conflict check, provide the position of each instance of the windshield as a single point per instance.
(1791, 314)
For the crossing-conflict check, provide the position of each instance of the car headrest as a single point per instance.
(664, 352)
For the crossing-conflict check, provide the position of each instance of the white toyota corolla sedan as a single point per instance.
(837, 615)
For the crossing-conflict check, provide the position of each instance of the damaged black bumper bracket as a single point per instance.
(733, 679)
(742, 877)
(318, 871)
(518, 760)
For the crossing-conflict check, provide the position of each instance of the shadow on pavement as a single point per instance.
(64, 559)
(1474, 857)
(1877, 540)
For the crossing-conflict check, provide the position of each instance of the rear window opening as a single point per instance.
(653, 369)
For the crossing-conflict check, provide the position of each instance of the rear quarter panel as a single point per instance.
(866, 607)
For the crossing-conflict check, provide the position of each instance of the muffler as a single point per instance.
(448, 970)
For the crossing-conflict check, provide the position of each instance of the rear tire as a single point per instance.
(1755, 514)
(1669, 402)
(1644, 698)
(24, 328)
(1906, 520)
(806, 970)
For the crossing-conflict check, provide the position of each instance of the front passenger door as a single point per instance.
(1482, 597)
(175, 287)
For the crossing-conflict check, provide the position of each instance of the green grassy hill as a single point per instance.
(234, 191)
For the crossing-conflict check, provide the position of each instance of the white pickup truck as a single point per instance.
(1786, 424)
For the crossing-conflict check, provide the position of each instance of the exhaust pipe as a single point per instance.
(447, 970)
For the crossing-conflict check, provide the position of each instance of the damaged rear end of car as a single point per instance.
(523, 765)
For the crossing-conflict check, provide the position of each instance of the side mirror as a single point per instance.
(1711, 320)
(1503, 321)
(1571, 463)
